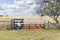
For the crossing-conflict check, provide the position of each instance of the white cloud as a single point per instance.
(19, 2)
(19, 7)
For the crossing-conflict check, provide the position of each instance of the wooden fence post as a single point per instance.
(45, 24)
(48, 24)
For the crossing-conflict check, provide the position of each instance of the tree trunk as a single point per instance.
(56, 20)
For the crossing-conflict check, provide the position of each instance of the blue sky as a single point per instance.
(19, 7)
(7, 1)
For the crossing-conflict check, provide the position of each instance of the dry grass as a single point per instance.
(29, 34)
(30, 18)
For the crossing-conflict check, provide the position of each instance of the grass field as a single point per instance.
(27, 34)
(30, 34)
(27, 20)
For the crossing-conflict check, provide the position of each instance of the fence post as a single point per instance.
(58, 26)
(48, 24)
(45, 25)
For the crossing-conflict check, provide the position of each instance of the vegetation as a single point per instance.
(51, 9)
(29, 34)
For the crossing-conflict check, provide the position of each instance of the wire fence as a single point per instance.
(48, 25)
(5, 24)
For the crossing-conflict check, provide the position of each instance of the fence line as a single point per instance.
(5, 21)
(50, 25)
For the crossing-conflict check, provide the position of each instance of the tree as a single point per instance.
(51, 9)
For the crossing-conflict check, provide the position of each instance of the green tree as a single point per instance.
(51, 9)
